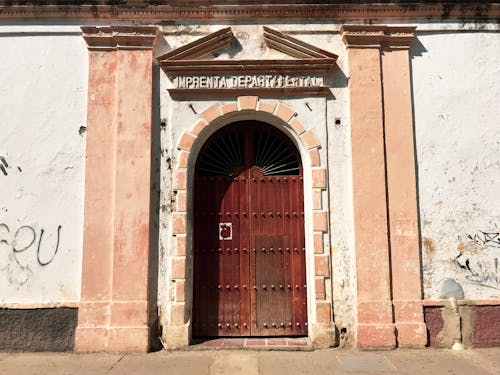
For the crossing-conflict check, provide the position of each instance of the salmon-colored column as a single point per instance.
(401, 185)
(375, 327)
(130, 310)
(117, 309)
(97, 265)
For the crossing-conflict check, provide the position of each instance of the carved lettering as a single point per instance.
(247, 81)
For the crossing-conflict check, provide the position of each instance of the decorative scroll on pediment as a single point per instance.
(194, 72)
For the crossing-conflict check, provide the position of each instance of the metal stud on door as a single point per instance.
(249, 255)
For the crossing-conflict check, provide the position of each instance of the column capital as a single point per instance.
(363, 36)
(399, 37)
(120, 37)
(99, 38)
(376, 36)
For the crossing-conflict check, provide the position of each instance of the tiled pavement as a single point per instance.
(256, 343)
(252, 362)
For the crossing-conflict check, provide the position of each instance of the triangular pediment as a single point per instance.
(200, 48)
(198, 57)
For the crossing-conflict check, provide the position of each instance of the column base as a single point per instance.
(112, 340)
(90, 340)
(323, 335)
(411, 335)
(376, 336)
(175, 337)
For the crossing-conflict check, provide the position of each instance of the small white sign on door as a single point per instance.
(225, 231)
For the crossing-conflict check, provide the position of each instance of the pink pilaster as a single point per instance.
(115, 313)
(375, 327)
(401, 185)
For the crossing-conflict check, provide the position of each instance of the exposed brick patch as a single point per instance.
(180, 294)
(284, 112)
(266, 107)
(198, 127)
(180, 246)
(319, 285)
(179, 223)
(180, 179)
(297, 126)
(317, 203)
(309, 139)
(314, 155)
(323, 312)
(179, 268)
(319, 221)
(318, 243)
(182, 160)
(321, 265)
(486, 326)
(247, 102)
(211, 113)
(319, 178)
(434, 323)
(228, 108)
(181, 200)
(186, 141)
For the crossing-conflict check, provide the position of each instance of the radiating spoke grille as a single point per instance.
(266, 148)
(223, 157)
(273, 156)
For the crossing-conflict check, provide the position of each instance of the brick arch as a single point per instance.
(180, 275)
(250, 103)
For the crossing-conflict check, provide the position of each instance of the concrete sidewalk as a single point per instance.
(231, 362)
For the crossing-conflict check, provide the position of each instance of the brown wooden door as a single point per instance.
(249, 253)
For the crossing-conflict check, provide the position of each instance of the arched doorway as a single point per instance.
(249, 246)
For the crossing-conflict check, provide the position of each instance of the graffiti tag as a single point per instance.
(22, 240)
(484, 239)
(481, 260)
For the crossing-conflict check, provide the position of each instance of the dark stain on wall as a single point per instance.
(486, 326)
(435, 324)
(38, 330)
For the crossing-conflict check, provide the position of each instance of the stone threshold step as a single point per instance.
(253, 343)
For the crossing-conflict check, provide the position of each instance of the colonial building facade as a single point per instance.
(232, 169)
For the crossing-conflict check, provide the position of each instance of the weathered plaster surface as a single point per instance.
(456, 84)
(42, 143)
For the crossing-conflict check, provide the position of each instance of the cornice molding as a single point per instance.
(377, 36)
(120, 37)
(476, 11)
(263, 92)
(399, 37)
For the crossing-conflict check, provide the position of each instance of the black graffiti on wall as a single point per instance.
(491, 239)
(25, 237)
(481, 259)
(3, 165)
(23, 240)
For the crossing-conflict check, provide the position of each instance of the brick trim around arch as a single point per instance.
(321, 332)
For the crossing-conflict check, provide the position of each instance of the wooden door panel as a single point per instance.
(271, 286)
(277, 223)
(251, 282)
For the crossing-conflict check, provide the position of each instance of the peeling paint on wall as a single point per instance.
(456, 88)
(42, 159)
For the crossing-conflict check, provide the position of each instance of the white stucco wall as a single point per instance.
(456, 85)
(42, 158)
